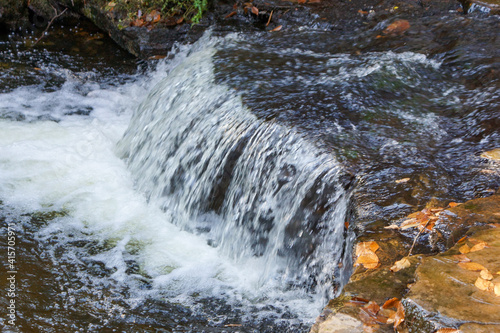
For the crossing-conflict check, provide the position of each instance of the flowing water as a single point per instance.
(217, 190)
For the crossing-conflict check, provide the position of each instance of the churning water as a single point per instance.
(198, 194)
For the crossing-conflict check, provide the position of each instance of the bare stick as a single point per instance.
(50, 23)
(416, 237)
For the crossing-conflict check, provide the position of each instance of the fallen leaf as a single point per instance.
(486, 275)
(364, 12)
(464, 249)
(363, 247)
(401, 264)
(233, 325)
(111, 4)
(471, 266)
(230, 14)
(478, 246)
(346, 224)
(137, 23)
(411, 223)
(392, 226)
(255, 10)
(156, 57)
(301, 1)
(454, 204)
(37, 68)
(391, 303)
(179, 21)
(372, 307)
(400, 315)
(447, 330)
(368, 259)
(462, 239)
(461, 258)
(397, 27)
(402, 180)
(483, 284)
(278, 28)
(496, 289)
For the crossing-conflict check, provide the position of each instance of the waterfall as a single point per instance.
(253, 189)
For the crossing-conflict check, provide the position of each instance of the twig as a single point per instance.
(416, 237)
(270, 16)
(50, 23)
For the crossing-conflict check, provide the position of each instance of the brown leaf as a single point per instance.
(471, 266)
(454, 204)
(400, 315)
(483, 284)
(447, 330)
(156, 57)
(366, 317)
(137, 23)
(464, 249)
(461, 258)
(255, 10)
(372, 307)
(391, 303)
(479, 246)
(363, 247)
(179, 21)
(462, 239)
(400, 264)
(233, 325)
(364, 12)
(230, 14)
(278, 28)
(397, 27)
(486, 275)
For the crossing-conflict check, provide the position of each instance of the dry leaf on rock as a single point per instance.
(255, 10)
(483, 284)
(462, 239)
(372, 307)
(410, 223)
(461, 258)
(464, 249)
(400, 264)
(400, 315)
(479, 246)
(391, 303)
(368, 259)
(392, 226)
(363, 247)
(402, 180)
(278, 28)
(485, 274)
(471, 266)
(454, 204)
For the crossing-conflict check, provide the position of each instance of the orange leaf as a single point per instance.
(278, 28)
(484, 285)
(486, 275)
(400, 264)
(447, 330)
(179, 21)
(269, 21)
(400, 315)
(397, 27)
(478, 246)
(363, 247)
(368, 259)
(454, 204)
(137, 23)
(464, 249)
(372, 307)
(255, 11)
(471, 266)
(346, 224)
(462, 239)
(230, 14)
(301, 1)
(363, 12)
(391, 303)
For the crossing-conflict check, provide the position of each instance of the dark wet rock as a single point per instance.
(453, 223)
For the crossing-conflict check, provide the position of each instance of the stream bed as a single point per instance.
(221, 188)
